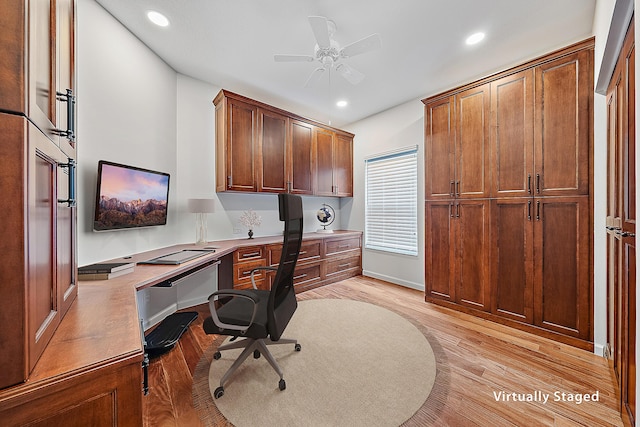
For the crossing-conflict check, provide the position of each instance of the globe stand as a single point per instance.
(324, 230)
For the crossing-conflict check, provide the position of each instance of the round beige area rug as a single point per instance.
(360, 365)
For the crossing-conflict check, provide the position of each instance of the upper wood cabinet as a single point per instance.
(457, 141)
(38, 67)
(260, 148)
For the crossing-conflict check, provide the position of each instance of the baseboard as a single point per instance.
(600, 350)
(405, 283)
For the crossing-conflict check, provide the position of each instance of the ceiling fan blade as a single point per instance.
(320, 31)
(293, 58)
(314, 77)
(350, 74)
(366, 44)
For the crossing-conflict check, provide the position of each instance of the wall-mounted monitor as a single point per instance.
(129, 197)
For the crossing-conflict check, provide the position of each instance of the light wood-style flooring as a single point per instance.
(481, 364)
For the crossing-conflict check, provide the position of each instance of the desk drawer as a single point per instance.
(309, 251)
(242, 272)
(248, 253)
(342, 265)
(337, 246)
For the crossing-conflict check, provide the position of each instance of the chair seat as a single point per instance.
(238, 311)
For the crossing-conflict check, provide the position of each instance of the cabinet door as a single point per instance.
(472, 143)
(439, 137)
(439, 262)
(43, 303)
(324, 159)
(562, 265)
(272, 143)
(343, 166)
(12, 66)
(472, 253)
(302, 168)
(66, 262)
(564, 95)
(65, 70)
(41, 71)
(512, 258)
(512, 135)
(240, 146)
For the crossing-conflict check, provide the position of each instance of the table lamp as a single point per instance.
(201, 207)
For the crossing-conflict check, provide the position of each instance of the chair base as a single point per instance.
(257, 346)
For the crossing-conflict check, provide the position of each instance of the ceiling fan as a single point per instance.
(329, 53)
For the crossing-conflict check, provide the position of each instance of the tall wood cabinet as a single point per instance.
(260, 148)
(36, 179)
(513, 153)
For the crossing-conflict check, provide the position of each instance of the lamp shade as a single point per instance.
(201, 205)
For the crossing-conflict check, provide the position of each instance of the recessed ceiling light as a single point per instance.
(342, 103)
(475, 38)
(158, 18)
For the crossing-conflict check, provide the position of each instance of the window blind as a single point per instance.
(391, 202)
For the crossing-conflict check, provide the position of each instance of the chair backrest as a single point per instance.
(282, 299)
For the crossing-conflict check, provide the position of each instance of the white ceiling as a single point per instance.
(231, 43)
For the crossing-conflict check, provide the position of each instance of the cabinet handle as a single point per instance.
(71, 165)
(538, 210)
(457, 210)
(229, 181)
(300, 276)
(302, 253)
(611, 228)
(451, 210)
(538, 183)
(529, 185)
(627, 234)
(336, 190)
(458, 188)
(529, 210)
(288, 186)
(343, 265)
(70, 99)
(250, 254)
(452, 188)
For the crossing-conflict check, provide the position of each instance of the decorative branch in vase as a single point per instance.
(250, 219)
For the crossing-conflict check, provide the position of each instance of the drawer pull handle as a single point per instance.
(248, 272)
(343, 265)
(343, 246)
(299, 276)
(302, 252)
(250, 254)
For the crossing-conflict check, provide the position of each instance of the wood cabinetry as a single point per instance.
(457, 251)
(246, 259)
(508, 204)
(38, 164)
(260, 148)
(458, 150)
(323, 259)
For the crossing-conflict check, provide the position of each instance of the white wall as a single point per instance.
(601, 22)
(399, 127)
(135, 109)
(126, 114)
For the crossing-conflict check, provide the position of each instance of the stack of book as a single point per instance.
(103, 271)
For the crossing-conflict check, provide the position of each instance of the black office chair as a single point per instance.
(260, 316)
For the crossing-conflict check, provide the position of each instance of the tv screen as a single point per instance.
(129, 197)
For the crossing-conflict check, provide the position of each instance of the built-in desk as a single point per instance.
(91, 372)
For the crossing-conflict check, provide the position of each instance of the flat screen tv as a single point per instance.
(129, 197)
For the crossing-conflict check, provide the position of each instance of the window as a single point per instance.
(391, 202)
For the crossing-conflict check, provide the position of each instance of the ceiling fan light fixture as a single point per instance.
(158, 18)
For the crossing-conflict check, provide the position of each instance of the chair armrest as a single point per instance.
(235, 294)
(253, 280)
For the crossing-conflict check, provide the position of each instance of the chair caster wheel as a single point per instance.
(298, 347)
(217, 355)
(218, 393)
(256, 354)
(282, 385)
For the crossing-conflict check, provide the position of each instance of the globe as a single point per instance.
(325, 215)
